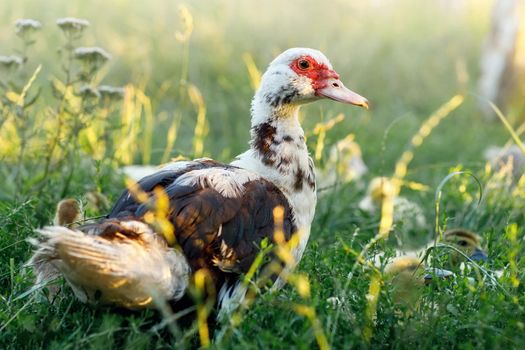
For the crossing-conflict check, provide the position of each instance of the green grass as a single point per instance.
(402, 55)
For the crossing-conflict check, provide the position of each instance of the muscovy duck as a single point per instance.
(216, 215)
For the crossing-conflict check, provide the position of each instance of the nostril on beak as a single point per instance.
(335, 85)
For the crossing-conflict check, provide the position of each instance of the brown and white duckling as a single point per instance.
(68, 212)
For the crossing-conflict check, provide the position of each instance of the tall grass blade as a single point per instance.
(509, 127)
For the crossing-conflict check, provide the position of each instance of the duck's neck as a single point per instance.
(278, 153)
(277, 147)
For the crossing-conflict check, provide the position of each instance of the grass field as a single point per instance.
(189, 71)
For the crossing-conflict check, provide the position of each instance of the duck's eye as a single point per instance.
(462, 243)
(304, 64)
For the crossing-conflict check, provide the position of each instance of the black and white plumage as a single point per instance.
(220, 212)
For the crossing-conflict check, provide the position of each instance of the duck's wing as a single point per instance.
(220, 213)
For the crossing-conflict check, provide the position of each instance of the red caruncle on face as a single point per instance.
(317, 72)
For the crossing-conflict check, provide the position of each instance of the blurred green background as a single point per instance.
(407, 57)
(190, 69)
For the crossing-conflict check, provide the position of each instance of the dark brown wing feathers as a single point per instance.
(215, 232)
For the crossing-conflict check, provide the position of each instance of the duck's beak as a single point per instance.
(335, 90)
(479, 255)
(440, 274)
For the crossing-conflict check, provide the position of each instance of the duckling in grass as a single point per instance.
(68, 213)
(408, 273)
(406, 212)
(345, 164)
(465, 244)
(412, 268)
(468, 242)
(407, 276)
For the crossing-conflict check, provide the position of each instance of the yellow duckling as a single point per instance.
(467, 242)
(382, 189)
(344, 164)
(407, 275)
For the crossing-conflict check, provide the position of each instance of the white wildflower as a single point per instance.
(90, 55)
(367, 204)
(499, 273)
(345, 155)
(12, 61)
(27, 24)
(25, 28)
(88, 92)
(111, 92)
(334, 302)
(410, 213)
(72, 25)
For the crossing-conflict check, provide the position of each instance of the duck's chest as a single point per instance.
(280, 156)
(303, 205)
(296, 178)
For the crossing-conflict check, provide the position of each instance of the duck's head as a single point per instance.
(302, 75)
(403, 264)
(405, 275)
(466, 241)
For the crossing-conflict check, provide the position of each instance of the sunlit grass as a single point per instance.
(189, 71)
